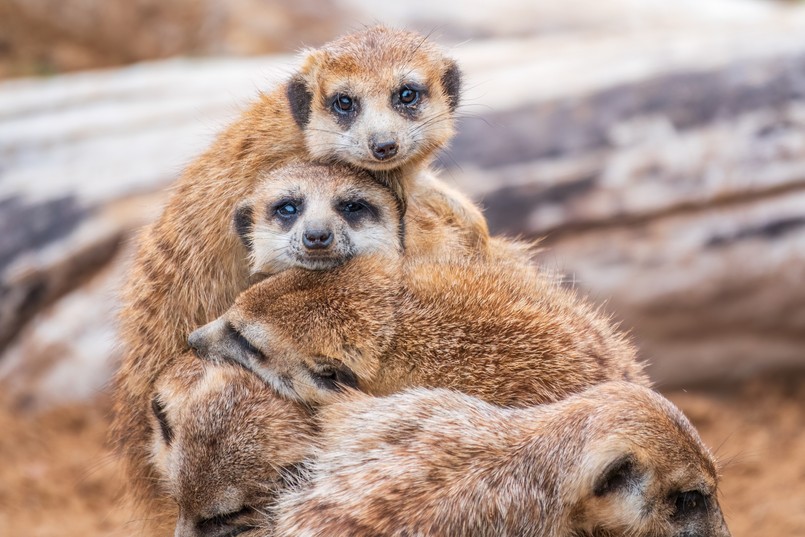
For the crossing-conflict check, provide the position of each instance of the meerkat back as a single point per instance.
(616, 459)
(502, 332)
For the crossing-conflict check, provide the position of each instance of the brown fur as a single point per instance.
(614, 460)
(442, 221)
(190, 266)
(502, 332)
(224, 445)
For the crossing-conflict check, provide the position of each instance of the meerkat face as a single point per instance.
(298, 371)
(317, 217)
(377, 99)
(224, 446)
(651, 475)
(308, 334)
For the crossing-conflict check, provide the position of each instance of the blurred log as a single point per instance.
(680, 200)
(77, 170)
(638, 154)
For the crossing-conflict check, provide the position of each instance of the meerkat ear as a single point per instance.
(243, 220)
(300, 99)
(618, 474)
(451, 83)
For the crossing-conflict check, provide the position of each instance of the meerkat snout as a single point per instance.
(317, 238)
(384, 149)
(199, 340)
(219, 341)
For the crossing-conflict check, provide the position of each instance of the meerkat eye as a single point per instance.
(227, 521)
(353, 207)
(408, 96)
(357, 209)
(332, 377)
(287, 209)
(689, 502)
(343, 104)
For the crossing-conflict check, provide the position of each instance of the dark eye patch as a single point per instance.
(689, 503)
(285, 211)
(355, 210)
(407, 98)
(162, 418)
(219, 524)
(244, 343)
(334, 377)
(344, 107)
(619, 475)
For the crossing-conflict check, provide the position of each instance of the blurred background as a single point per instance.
(658, 147)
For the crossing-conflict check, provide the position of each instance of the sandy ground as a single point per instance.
(58, 478)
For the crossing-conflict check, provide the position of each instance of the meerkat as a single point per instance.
(317, 217)
(224, 446)
(616, 459)
(503, 333)
(379, 99)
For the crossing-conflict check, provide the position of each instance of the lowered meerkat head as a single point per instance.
(379, 99)
(317, 217)
(268, 329)
(224, 446)
(644, 470)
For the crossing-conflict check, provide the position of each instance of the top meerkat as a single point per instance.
(379, 99)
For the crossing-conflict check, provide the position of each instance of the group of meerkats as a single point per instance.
(323, 339)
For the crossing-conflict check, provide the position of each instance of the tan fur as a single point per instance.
(502, 332)
(224, 445)
(190, 266)
(442, 221)
(610, 461)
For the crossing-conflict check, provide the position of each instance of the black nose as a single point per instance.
(384, 150)
(317, 239)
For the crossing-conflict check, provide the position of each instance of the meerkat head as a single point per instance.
(317, 217)
(309, 334)
(224, 446)
(646, 472)
(378, 99)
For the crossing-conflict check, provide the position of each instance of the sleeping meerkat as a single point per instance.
(345, 104)
(503, 333)
(616, 459)
(224, 446)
